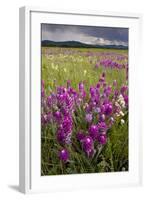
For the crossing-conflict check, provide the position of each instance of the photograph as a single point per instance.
(84, 99)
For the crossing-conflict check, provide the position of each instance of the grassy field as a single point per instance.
(87, 66)
(77, 65)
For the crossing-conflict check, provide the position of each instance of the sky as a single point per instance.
(85, 34)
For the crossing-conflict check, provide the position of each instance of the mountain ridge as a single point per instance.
(75, 44)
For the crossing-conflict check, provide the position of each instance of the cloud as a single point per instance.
(102, 41)
(88, 35)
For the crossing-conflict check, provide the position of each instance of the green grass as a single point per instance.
(77, 68)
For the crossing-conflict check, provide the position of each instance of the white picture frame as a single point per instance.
(29, 160)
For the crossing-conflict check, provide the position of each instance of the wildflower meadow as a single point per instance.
(84, 110)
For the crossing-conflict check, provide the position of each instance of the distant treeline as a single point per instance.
(75, 44)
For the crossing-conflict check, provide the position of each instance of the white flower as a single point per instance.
(121, 113)
(112, 119)
(56, 67)
(117, 104)
(86, 105)
(121, 101)
(117, 115)
(122, 121)
(64, 69)
(85, 72)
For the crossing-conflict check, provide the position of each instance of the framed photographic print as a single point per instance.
(79, 100)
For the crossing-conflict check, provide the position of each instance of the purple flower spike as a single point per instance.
(49, 101)
(88, 118)
(96, 65)
(102, 117)
(64, 155)
(107, 91)
(107, 108)
(102, 139)
(80, 136)
(116, 93)
(103, 74)
(101, 79)
(43, 83)
(98, 85)
(61, 136)
(44, 119)
(57, 115)
(92, 91)
(93, 131)
(49, 116)
(68, 83)
(42, 92)
(124, 88)
(114, 83)
(81, 86)
(126, 99)
(102, 128)
(88, 144)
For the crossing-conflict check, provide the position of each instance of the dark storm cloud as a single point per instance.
(86, 34)
(120, 34)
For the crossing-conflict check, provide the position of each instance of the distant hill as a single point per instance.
(74, 44)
